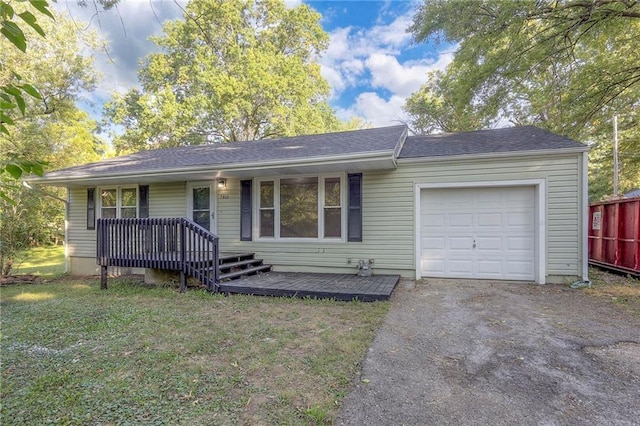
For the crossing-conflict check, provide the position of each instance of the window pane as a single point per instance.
(108, 198)
(266, 194)
(202, 218)
(355, 224)
(332, 222)
(266, 223)
(299, 208)
(332, 192)
(128, 212)
(129, 198)
(201, 198)
(108, 213)
(355, 186)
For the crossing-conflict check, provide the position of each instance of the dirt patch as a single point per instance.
(19, 279)
(617, 288)
(472, 352)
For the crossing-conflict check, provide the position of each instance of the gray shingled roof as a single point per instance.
(511, 139)
(365, 142)
(350, 146)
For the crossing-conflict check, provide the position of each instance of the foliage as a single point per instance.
(13, 88)
(229, 71)
(23, 225)
(14, 91)
(43, 261)
(566, 66)
(144, 355)
(51, 131)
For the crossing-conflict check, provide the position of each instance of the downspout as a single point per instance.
(584, 223)
(66, 219)
(585, 216)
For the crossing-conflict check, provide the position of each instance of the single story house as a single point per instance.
(505, 204)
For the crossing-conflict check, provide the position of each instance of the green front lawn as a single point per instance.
(74, 354)
(43, 261)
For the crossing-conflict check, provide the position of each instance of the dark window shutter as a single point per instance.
(354, 213)
(245, 211)
(91, 208)
(143, 194)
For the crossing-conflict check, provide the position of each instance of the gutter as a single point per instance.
(410, 160)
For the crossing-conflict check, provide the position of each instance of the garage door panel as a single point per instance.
(519, 197)
(522, 269)
(519, 219)
(460, 220)
(490, 267)
(433, 243)
(460, 243)
(501, 222)
(489, 220)
(489, 244)
(434, 267)
(525, 244)
(463, 267)
(436, 220)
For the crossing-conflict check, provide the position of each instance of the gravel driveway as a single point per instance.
(478, 352)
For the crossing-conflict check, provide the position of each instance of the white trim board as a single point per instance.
(540, 186)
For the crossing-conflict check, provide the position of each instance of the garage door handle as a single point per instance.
(474, 243)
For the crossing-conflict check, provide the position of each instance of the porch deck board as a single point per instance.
(324, 286)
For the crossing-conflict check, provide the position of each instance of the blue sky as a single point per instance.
(371, 63)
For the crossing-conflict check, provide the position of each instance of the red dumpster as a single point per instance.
(614, 234)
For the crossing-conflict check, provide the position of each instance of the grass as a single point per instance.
(44, 261)
(619, 288)
(133, 354)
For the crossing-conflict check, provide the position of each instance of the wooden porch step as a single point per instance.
(240, 264)
(249, 271)
(234, 257)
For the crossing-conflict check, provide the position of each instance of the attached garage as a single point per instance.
(478, 232)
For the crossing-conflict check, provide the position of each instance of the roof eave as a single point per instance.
(380, 160)
(506, 154)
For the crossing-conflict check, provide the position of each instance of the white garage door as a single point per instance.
(478, 233)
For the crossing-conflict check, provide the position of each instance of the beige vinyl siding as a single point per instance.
(168, 199)
(82, 241)
(165, 200)
(324, 255)
(389, 215)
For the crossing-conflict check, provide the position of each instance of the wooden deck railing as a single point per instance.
(174, 244)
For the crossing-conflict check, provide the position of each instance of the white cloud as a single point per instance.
(393, 35)
(402, 79)
(125, 30)
(334, 78)
(369, 60)
(375, 110)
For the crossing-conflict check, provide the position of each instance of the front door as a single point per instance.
(202, 207)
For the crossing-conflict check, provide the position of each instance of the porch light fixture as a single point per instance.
(222, 183)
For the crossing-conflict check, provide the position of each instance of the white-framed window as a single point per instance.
(118, 202)
(301, 208)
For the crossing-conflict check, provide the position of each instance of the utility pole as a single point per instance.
(615, 156)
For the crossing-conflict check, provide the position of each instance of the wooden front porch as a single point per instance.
(177, 244)
(345, 287)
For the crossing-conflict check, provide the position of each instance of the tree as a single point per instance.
(229, 71)
(13, 91)
(567, 66)
(13, 88)
(52, 129)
